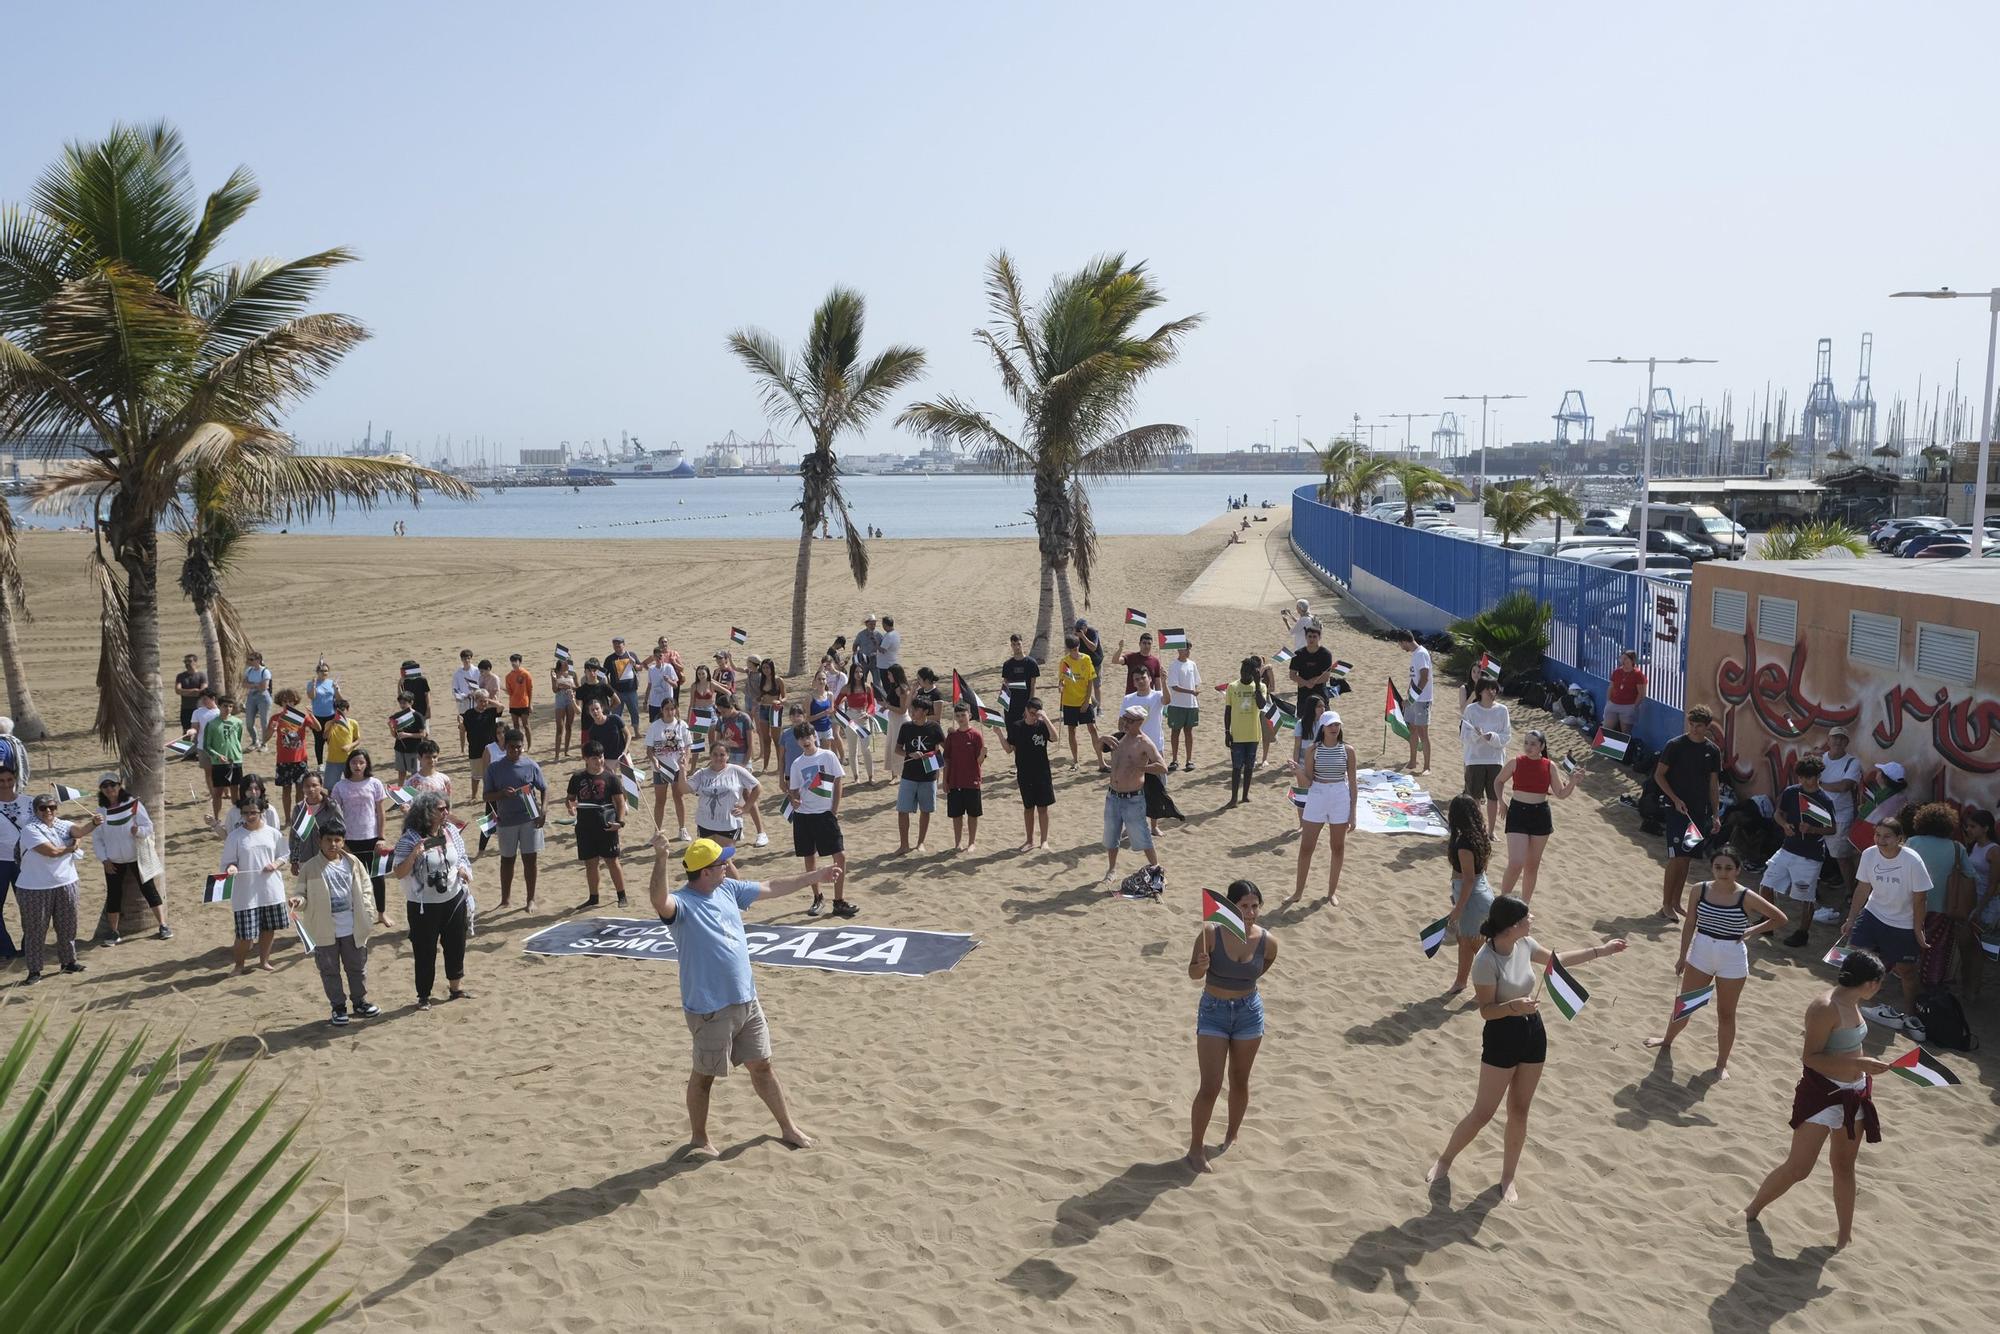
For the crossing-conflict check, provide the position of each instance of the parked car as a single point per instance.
(1944, 549)
(1667, 542)
(1900, 531)
(1660, 567)
(1446, 504)
(1917, 542)
(1600, 525)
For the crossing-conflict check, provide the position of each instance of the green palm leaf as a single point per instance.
(104, 1229)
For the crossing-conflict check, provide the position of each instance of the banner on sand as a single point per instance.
(847, 949)
(1392, 803)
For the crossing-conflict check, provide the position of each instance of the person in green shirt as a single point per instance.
(222, 749)
(1243, 712)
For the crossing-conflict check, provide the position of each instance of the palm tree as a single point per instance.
(1809, 540)
(1780, 456)
(28, 724)
(1559, 501)
(118, 336)
(1071, 367)
(1511, 510)
(827, 390)
(212, 529)
(1935, 457)
(1420, 482)
(1349, 474)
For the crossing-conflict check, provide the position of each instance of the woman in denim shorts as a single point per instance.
(1229, 1025)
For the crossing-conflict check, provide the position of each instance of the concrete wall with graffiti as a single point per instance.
(1777, 689)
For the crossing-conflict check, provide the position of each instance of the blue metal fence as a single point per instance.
(1427, 580)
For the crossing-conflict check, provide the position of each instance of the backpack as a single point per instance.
(1148, 882)
(1944, 1023)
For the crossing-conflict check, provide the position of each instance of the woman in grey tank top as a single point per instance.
(1229, 1024)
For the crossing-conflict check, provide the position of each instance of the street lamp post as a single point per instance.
(1482, 400)
(1985, 405)
(1646, 436)
(1406, 418)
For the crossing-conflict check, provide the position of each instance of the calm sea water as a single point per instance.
(947, 506)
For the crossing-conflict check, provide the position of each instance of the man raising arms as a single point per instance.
(718, 997)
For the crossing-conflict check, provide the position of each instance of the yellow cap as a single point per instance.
(704, 853)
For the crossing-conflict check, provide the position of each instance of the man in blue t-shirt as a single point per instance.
(518, 796)
(717, 995)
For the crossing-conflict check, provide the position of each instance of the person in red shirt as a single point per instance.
(964, 753)
(1628, 687)
(1142, 661)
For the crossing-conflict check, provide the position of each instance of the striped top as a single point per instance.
(1330, 763)
(1721, 921)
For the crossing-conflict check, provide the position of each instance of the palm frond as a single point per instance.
(1131, 450)
(857, 549)
(967, 428)
(288, 485)
(1012, 379)
(876, 382)
(1082, 524)
(125, 200)
(765, 358)
(116, 337)
(226, 205)
(266, 374)
(35, 398)
(252, 300)
(1009, 309)
(122, 692)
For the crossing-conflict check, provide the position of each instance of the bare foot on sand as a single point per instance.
(1508, 1195)
(794, 1138)
(1657, 1042)
(1029, 846)
(1439, 1171)
(1197, 1160)
(972, 847)
(1722, 1072)
(701, 1149)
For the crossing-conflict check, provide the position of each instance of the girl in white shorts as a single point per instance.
(1714, 929)
(1326, 770)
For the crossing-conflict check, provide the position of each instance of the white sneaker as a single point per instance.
(763, 841)
(682, 836)
(1914, 1031)
(1885, 1015)
(1827, 915)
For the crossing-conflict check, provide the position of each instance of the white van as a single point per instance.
(1698, 523)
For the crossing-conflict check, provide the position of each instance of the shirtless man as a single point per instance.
(1133, 756)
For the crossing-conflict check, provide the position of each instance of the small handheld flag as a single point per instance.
(404, 721)
(1486, 667)
(1342, 667)
(304, 822)
(738, 635)
(992, 717)
(384, 862)
(1816, 810)
(299, 924)
(1568, 765)
(1837, 956)
(1282, 656)
(785, 810)
(288, 714)
(1173, 639)
(1300, 787)
(1432, 936)
(1133, 616)
(562, 653)
(181, 749)
(1693, 838)
(1223, 913)
(486, 824)
(1878, 794)
(1610, 744)
(1392, 713)
(930, 762)
(217, 888)
(962, 691)
(532, 806)
(412, 673)
(403, 795)
(1920, 1067)
(1564, 990)
(1688, 1002)
(630, 782)
(117, 817)
(67, 793)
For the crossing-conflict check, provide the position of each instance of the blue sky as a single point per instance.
(563, 210)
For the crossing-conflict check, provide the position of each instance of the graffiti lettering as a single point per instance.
(1775, 693)
(1666, 618)
(1959, 731)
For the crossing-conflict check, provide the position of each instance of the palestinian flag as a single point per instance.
(1563, 989)
(785, 810)
(412, 673)
(531, 805)
(117, 817)
(961, 690)
(1486, 667)
(292, 716)
(1282, 656)
(930, 761)
(299, 925)
(404, 721)
(1064, 673)
(1875, 796)
(1280, 715)
(1688, 1002)
(1173, 639)
(67, 793)
(1920, 1067)
(1392, 713)
(383, 862)
(1133, 616)
(1341, 667)
(304, 822)
(403, 795)
(1300, 786)
(181, 749)
(821, 785)
(562, 653)
(1223, 913)
(992, 717)
(217, 888)
(1569, 765)
(1815, 810)
(1610, 744)
(627, 780)
(860, 729)
(1432, 936)
(1837, 956)
(486, 824)
(738, 635)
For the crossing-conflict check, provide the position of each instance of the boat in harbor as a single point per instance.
(631, 461)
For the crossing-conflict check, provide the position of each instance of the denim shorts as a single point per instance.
(1239, 1018)
(1127, 814)
(913, 796)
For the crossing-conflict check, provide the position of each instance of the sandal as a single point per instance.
(460, 994)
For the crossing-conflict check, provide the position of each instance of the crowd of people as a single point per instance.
(739, 745)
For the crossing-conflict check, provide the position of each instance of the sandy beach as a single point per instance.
(1000, 1146)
